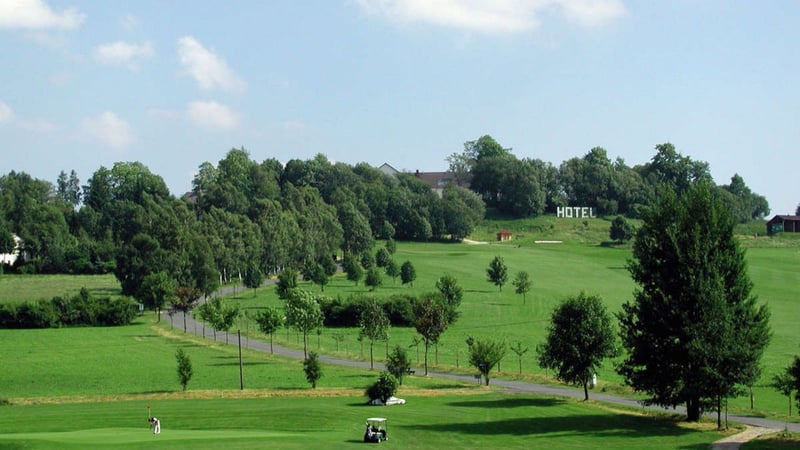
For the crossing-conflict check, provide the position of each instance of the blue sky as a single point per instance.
(173, 84)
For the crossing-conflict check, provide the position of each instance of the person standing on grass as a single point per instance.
(156, 424)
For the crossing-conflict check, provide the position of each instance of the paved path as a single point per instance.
(756, 425)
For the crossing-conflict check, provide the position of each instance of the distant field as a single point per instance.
(19, 288)
(480, 421)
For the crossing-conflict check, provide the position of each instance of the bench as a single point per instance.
(411, 371)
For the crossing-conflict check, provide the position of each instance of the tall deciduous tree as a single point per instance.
(694, 332)
(156, 290)
(579, 337)
(374, 325)
(430, 321)
(304, 314)
(497, 272)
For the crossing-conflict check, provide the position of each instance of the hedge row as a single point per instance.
(80, 310)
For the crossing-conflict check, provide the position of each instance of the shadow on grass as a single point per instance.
(513, 402)
(499, 304)
(584, 426)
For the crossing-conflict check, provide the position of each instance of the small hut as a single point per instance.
(503, 235)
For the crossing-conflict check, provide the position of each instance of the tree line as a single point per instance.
(529, 187)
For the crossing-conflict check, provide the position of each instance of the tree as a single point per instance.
(303, 313)
(407, 273)
(312, 369)
(316, 273)
(398, 363)
(430, 321)
(185, 300)
(352, 268)
(184, 368)
(620, 231)
(579, 337)
(520, 352)
(522, 284)
(384, 388)
(374, 278)
(287, 281)
(485, 354)
(156, 290)
(373, 324)
(382, 257)
(391, 246)
(497, 272)
(452, 293)
(220, 315)
(253, 277)
(269, 320)
(785, 383)
(392, 270)
(694, 333)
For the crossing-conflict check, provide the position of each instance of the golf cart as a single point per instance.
(376, 430)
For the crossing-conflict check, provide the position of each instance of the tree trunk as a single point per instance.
(370, 356)
(585, 391)
(719, 412)
(426, 358)
(693, 409)
(305, 345)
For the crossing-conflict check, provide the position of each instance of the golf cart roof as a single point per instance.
(376, 419)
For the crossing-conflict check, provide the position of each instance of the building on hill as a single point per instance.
(388, 170)
(503, 235)
(780, 223)
(11, 258)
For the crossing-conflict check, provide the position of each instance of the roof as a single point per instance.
(782, 217)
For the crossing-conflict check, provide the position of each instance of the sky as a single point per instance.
(85, 84)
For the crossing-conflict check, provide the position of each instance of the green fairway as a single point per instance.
(425, 422)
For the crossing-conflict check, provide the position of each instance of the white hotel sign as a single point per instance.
(575, 212)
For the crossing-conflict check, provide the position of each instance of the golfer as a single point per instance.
(156, 424)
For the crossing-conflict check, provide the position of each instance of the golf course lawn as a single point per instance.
(478, 421)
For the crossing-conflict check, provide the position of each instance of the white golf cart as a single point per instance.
(376, 430)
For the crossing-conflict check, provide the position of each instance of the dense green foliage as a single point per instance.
(694, 332)
(185, 370)
(398, 363)
(580, 336)
(82, 309)
(312, 368)
(384, 388)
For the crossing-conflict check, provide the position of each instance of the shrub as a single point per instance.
(384, 388)
(400, 309)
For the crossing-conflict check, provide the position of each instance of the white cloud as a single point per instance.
(36, 14)
(109, 129)
(206, 67)
(122, 53)
(6, 113)
(213, 115)
(497, 16)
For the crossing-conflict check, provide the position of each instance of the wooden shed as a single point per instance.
(790, 224)
(503, 235)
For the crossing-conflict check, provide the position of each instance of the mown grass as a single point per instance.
(140, 359)
(490, 420)
(557, 271)
(19, 288)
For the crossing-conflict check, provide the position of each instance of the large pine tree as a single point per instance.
(694, 332)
